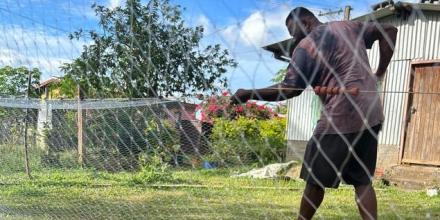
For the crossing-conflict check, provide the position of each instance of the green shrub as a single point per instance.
(163, 140)
(153, 171)
(63, 133)
(248, 141)
(114, 139)
(61, 140)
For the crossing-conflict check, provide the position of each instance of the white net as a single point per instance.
(124, 110)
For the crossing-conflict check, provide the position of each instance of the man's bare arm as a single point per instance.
(277, 92)
(387, 41)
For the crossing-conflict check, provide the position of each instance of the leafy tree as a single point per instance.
(68, 87)
(14, 81)
(146, 51)
(279, 76)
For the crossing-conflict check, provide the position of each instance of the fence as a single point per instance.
(102, 134)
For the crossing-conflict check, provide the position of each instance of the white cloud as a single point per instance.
(262, 26)
(253, 30)
(49, 66)
(244, 38)
(231, 34)
(36, 48)
(84, 11)
(114, 3)
(203, 21)
(259, 28)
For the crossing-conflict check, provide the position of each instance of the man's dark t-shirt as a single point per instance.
(334, 55)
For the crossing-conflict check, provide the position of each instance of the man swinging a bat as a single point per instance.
(332, 57)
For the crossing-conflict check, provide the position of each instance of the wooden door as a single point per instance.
(422, 139)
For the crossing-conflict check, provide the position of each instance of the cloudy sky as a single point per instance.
(34, 33)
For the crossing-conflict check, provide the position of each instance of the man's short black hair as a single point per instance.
(299, 13)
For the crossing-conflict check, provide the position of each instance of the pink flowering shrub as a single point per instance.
(249, 133)
(218, 106)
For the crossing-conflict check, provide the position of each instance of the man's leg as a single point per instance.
(366, 201)
(311, 200)
(366, 150)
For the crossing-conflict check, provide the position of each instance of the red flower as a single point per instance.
(261, 107)
(239, 109)
(212, 108)
(251, 104)
(213, 99)
(217, 106)
(225, 93)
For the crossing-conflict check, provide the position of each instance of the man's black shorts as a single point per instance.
(331, 158)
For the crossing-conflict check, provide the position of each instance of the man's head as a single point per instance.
(301, 22)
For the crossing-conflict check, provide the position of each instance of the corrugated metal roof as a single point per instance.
(430, 1)
(393, 10)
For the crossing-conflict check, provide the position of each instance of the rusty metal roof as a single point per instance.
(48, 82)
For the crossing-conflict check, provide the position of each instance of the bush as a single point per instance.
(61, 140)
(114, 138)
(246, 141)
(163, 140)
(63, 134)
(153, 171)
(218, 106)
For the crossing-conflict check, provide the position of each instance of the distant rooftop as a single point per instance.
(430, 1)
(382, 10)
(47, 82)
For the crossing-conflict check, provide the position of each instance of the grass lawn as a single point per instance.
(201, 194)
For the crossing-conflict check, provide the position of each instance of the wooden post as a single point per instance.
(347, 12)
(26, 150)
(80, 120)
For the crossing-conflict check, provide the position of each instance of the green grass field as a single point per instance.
(193, 194)
(201, 194)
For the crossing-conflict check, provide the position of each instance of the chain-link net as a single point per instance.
(140, 121)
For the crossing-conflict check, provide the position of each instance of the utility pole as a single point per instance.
(26, 118)
(347, 12)
(330, 12)
(80, 124)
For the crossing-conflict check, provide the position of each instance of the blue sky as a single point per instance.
(34, 33)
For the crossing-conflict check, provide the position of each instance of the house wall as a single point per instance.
(300, 118)
(418, 39)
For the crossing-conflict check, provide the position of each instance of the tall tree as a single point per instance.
(14, 81)
(146, 51)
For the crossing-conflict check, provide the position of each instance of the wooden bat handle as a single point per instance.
(335, 90)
